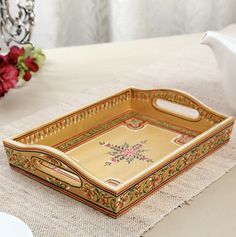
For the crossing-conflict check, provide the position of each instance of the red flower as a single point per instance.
(30, 63)
(3, 61)
(8, 77)
(18, 64)
(27, 76)
(14, 53)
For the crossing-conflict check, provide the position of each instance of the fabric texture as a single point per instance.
(52, 214)
(63, 23)
(94, 21)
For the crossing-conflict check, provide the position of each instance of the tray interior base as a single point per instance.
(126, 147)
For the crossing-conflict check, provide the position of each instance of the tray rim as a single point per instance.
(10, 142)
(129, 89)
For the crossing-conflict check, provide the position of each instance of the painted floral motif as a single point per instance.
(126, 152)
(20, 160)
(182, 139)
(134, 123)
(94, 194)
(89, 192)
(122, 201)
(58, 183)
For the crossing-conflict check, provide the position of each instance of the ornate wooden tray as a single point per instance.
(114, 153)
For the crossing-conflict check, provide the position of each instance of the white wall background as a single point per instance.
(74, 22)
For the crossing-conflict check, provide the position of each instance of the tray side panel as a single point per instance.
(79, 121)
(79, 186)
(116, 205)
(145, 102)
(171, 170)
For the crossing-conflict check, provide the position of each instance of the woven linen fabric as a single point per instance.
(51, 214)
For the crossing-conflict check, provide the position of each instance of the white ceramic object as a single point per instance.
(11, 226)
(224, 48)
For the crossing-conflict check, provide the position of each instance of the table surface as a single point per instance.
(70, 70)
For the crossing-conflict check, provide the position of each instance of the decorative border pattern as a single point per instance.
(173, 168)
(80, 138)
(24, 161)
(74, 118)
(20, 159)
(166, 125)
(127, 95)
(177, 97)
(116, 205)
(182, 139)
(133, 120)
(135, 123)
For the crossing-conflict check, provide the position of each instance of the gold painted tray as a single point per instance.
(114, 153)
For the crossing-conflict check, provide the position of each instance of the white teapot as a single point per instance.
(224, 48)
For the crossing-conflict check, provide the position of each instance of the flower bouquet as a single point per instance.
(19, 64)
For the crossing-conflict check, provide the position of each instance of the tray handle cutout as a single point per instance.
(57, 172)
(176, 109)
